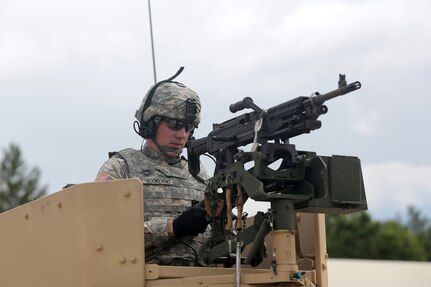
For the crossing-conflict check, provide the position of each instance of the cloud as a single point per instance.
(392, 186)
(38, 38)
(366, 124)
(73, 72)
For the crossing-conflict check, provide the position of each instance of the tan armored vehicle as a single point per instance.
(91, 234)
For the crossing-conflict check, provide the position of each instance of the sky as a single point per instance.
(73, 73)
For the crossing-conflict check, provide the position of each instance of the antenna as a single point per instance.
(152, 43)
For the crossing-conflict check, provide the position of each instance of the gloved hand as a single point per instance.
(191, 221)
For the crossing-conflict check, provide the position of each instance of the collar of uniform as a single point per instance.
(158, 156)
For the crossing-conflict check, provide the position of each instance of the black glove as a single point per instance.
(191, 221)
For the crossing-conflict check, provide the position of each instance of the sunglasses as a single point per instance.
(176, 125)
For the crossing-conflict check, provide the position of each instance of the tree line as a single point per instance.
(18, 183)
(358, 236)
(348, 236)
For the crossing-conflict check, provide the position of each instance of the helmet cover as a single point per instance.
(171, 100)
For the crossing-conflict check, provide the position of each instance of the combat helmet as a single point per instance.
(167, 99)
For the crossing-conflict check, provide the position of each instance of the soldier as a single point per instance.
(176, 230)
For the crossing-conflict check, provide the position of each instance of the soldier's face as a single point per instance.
(173, 139)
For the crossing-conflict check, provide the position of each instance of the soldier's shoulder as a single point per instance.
(123, 152)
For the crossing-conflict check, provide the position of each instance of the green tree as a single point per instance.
(18, 185)
(421, 227)
(348, 236)
(357, 236)
(396, 242)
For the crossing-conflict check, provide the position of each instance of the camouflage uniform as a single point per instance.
(169, 188)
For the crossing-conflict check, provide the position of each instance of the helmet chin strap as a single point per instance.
(164, 149)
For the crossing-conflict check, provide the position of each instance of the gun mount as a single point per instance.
(303, 181)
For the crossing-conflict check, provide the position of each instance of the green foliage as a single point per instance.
(421, 227)
(358, 236)
(17, 184)
(396, 242)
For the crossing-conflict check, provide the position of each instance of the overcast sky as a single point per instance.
(73, 72)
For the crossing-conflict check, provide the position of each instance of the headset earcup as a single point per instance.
(148, 129)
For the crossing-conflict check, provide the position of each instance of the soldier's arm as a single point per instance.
(157, 231)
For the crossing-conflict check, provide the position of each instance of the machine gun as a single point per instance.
(302, 182)
(280, 123)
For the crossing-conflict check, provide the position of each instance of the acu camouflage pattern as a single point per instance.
(169, 100)
(169, 189)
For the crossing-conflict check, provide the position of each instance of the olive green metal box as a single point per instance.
(338, 185)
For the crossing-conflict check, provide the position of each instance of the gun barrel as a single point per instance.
(320, 99)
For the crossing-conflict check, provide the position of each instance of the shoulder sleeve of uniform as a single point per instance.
(114, 168)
